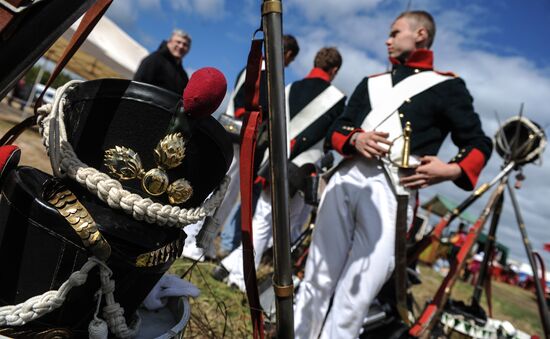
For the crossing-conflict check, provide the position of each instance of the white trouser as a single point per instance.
(351, 254)
(262, 234)
(233, 190)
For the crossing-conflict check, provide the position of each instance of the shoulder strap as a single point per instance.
(386, 100)
(308, 115)
(380, 89)
(313, 110)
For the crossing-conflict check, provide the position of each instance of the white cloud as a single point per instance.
(209, 9)
(123, 12)
(184, 5)
(127, 12)
(326, 9)
(149, 4)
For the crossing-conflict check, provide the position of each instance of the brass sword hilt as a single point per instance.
(405, 154)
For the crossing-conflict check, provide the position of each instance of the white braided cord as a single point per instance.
(110, 190)
(38, 306)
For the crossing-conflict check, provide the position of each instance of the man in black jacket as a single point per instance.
(353, 247)
(163, 67)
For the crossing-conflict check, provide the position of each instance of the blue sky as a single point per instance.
(500, 48)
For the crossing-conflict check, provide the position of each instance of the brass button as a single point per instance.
(416, 70)
(408, 101)
(401, 115)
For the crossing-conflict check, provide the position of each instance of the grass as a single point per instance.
(222, 312)
(511, 303)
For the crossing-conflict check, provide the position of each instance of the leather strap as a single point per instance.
(401, 258)
(488, 289)
(252, 79)
(88, 22)
(248, 145)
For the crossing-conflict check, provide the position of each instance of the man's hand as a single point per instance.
(431, 171)
(368, 143)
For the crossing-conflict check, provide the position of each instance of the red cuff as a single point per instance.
(339, 140)
(472, 165)
(239, 112)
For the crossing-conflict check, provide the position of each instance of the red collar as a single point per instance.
(420, 58)
(318, 73)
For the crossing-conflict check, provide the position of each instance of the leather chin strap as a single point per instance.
(87, 24)
(253, 119)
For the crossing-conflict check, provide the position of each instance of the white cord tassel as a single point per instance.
(98, 329)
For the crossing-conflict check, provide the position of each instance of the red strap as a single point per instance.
(252, 79)
(248, 145)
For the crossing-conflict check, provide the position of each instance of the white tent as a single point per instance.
(108, 52)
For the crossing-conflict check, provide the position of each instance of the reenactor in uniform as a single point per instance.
(313, 104)
(352, 251)
(230, 236)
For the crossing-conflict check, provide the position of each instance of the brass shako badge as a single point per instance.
(125, 164)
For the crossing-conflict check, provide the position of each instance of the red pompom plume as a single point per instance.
(204, 92)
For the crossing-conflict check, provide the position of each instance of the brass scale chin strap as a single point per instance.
(84, 225)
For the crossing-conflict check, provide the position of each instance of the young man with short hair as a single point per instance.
(353, 247)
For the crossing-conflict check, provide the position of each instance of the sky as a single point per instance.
(499, 47)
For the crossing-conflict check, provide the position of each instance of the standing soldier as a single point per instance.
(313, 105)
(353, 246)
(230, 236)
